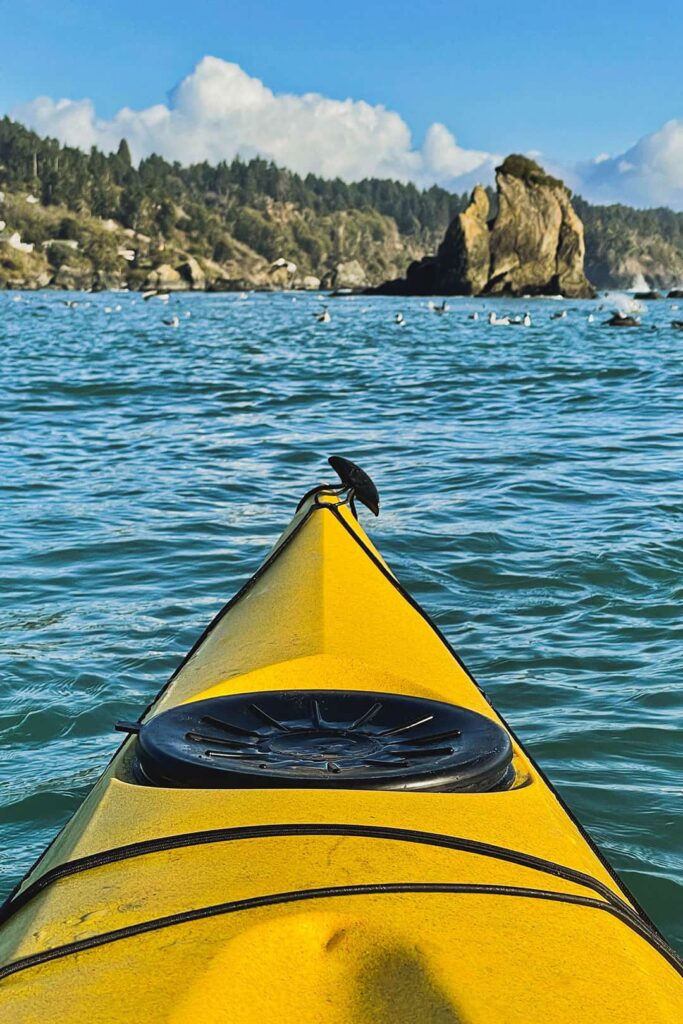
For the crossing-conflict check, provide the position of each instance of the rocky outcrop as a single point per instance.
(71, 278)
(310, 283)
(534, 244)
(165, 278)
(464, 255)
(192, 274)
(346, 275)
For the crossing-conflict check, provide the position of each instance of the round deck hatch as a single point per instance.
(324, 739)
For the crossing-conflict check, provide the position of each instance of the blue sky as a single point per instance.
(570, 82)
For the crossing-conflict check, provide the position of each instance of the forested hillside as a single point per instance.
(75, 219)
(623, 243)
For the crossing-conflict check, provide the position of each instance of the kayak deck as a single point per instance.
(353, 904)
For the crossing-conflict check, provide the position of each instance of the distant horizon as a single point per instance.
(593, 94)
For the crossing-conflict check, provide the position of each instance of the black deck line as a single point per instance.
(247, 832)
(299, 895)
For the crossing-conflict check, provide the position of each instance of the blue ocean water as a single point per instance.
(532, 502)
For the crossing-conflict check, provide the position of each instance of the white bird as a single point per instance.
(590, 318)
(324, 317)
(502, 321)
(559, 316)
(400, 319)
(71, 303)
(527, 320)
(473, 316)
(174, 321)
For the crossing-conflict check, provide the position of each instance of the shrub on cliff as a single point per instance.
(518, 166)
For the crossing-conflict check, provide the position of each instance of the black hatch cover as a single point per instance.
(324, 739)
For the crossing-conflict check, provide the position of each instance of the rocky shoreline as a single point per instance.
(527, 238)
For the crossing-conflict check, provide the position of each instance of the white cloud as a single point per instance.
(650, 173)
(219, 111)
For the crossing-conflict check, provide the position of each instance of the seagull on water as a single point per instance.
(400, 319)
(173, 321)
(324, 317)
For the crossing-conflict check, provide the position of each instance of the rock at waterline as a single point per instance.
(533, 246)
(164, 278)
(192, 273)
(310, 283)
(345, 275)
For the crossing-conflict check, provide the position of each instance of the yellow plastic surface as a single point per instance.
(324, 615)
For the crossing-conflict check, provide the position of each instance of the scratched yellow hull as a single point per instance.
(301, 905)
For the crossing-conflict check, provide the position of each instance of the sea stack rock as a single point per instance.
(537, 244)
(464, 255)
(534, 244)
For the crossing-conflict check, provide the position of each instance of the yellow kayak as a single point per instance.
(321, 818)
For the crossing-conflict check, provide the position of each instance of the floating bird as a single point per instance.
(559, 316)
(400, 319)
(622, 320)
(154, 293)
(473, 316)
(440, 309)
(502, 321)
(70, 303)
(677, 325)
(324, 317)
(590, 318)
(526, 319)
(173, 321)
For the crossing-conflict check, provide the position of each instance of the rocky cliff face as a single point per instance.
(534, 244)
(464, 256)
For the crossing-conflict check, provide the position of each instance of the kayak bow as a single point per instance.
(322, 818)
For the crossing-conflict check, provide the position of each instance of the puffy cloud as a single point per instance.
(219, 111)
(650, 173)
